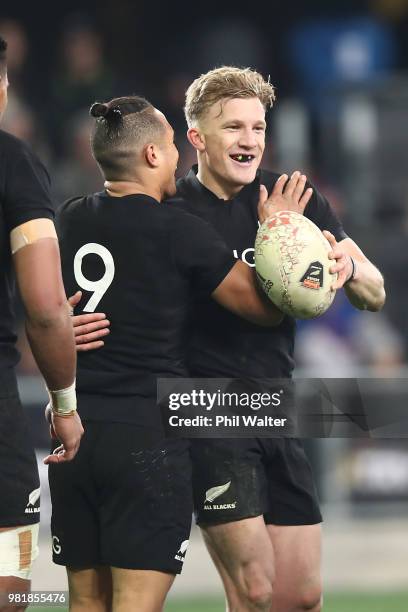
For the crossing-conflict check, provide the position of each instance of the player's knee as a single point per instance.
(259, 597)
(257, 588)
(84, 603)
(311, 599)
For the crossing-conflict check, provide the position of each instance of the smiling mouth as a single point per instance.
(242, 158)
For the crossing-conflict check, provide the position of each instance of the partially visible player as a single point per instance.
(122, 509)
(28, 240)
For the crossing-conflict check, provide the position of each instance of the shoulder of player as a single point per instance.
(177, 201)
(176, 213)
(318, 202)
(181, 198)
(19, 154)
(71, 205)
(15, 147)
(181, 223)
(267, 178)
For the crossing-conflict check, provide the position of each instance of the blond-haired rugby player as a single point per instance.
(266, 542)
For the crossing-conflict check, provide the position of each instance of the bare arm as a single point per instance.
(366, 290)
(239, 292)
(48, 324)
(49, 331)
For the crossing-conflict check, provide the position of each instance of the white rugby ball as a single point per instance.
(292, 265)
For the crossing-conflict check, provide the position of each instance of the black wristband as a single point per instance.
(353, 271)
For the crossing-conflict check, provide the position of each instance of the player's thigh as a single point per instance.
(144, 590)
(10, 587)
(297, 550)
(229, 480)
(90, 588)
(243, 548)
(145, 499)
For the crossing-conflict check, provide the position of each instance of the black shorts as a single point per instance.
(235, 479)
(19, 480)
(124, 501)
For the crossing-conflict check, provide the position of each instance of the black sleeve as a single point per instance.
(200, 253)
(27, 188)
(321, 213)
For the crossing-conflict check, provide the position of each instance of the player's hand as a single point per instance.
(47, 415)
(89, 329)
(286, 195)
(342, 264)
(67, 429)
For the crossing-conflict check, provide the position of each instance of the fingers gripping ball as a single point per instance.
(292, 265)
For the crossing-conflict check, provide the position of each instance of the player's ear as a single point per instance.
(196, 138)
(151, 154)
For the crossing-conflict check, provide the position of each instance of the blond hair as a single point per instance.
(225, 83)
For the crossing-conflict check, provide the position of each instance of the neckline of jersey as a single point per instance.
(201, 190)
(143, 197)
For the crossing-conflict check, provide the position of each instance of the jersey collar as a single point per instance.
(198, 190)
(141, 198)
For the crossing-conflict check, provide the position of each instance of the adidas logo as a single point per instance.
(181, 553)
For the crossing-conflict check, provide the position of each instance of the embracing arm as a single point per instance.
(240, 293)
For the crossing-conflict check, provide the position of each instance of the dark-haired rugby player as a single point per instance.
(29, 242)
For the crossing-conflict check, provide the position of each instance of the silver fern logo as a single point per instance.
(33, 498)
(215, 492)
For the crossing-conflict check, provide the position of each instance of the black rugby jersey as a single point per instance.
(24, 195)
(222, 344)
(142, 263)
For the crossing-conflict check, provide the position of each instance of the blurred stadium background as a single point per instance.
(341, 72)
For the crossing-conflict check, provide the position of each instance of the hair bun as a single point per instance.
(99, 110)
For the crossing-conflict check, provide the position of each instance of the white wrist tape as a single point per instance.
(63, 401)
(18, 549)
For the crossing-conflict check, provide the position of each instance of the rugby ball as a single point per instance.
(292, 265)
